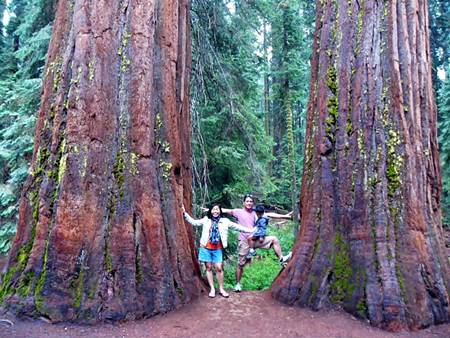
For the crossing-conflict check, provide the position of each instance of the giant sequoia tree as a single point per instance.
(371, 226)
(100, 234)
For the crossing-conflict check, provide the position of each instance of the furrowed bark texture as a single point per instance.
(371, 236)
(101, 235)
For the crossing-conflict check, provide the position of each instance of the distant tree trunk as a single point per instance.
(291, 156)
(280, 86)
(100, 234)
(371, 236)
(266, 94)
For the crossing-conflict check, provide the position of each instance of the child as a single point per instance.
(261, 229)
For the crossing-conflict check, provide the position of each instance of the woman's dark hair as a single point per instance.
(209, 214)
(247, 196)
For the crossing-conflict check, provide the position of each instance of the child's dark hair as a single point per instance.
(209, 214)
(259, 209)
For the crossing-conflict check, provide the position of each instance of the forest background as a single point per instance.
(249, 94)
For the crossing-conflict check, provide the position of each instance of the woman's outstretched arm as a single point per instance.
(190, 220)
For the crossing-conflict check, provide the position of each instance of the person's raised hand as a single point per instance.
(183, 209)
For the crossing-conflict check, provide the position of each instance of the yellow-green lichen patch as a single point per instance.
(166, 147)
(361, 308)
(24, 287)
(134, 160)
(42, 157)
(62, 167)
(401, 280)
(79, 288)
(166, 169)
(349, 8)
(6, 286)
(76, 80)
(91, 69)
(38, 298)
(107, 261)
(349, 127)
(332, 104)
(158, 123)
(55, 69)
(361, 143)
(118, 172)
(92, 292)
(394, 162)
(124, 60)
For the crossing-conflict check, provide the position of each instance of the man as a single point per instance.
(246, 216)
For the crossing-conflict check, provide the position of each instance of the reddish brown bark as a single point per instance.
(371, 236)
(101, 235)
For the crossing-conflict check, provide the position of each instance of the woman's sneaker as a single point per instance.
(238, 287)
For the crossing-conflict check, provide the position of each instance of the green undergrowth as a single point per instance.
(260, 274)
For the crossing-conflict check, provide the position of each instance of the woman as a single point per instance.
(213, 239)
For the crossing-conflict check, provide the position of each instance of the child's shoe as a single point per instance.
(251, 254)
(285, 259)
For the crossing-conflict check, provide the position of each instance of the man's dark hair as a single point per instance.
(247, 196)
(209, 214)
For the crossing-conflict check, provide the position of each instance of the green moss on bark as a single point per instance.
(341, 285)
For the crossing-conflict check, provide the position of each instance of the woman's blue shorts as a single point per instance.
(210, 256)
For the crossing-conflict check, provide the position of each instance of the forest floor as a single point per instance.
(246, 314)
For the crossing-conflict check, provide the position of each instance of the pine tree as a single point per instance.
(444, 144)
(23, 58)
(231, 149)
(439, 37)
(291, 36)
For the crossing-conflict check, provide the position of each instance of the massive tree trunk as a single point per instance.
(371, 236)
(100, 234)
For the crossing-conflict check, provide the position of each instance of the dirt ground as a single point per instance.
(247, 314)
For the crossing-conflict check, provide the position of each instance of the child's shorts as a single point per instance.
(210, 256)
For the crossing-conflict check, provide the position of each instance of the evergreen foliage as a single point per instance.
(22, 59)
(439, 37)
(291, 37)
(444, 144)
(231, 149)
(236, 56)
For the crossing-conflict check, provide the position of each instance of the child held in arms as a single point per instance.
(261, 224)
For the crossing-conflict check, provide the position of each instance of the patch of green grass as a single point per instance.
(260, 274)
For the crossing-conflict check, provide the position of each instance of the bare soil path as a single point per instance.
(246, 314)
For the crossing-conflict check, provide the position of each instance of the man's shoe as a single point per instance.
(285, 259)
(238, 287)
